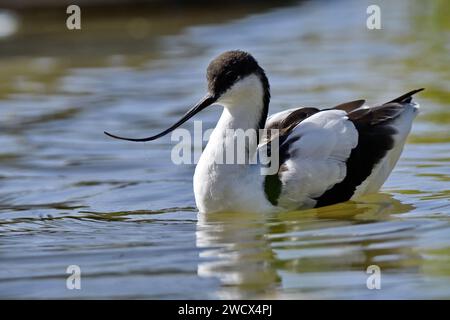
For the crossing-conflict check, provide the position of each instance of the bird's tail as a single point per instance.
(407, 97)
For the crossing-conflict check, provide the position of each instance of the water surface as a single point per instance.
(126, 214)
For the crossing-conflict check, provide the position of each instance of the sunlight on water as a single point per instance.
(126, 215)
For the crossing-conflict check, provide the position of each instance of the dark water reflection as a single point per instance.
(126, 215)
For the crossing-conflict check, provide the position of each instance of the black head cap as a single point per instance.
(222, 73)
(229, 67)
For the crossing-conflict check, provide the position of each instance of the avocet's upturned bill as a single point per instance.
(326, 155)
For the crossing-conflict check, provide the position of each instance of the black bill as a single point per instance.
(202, 104)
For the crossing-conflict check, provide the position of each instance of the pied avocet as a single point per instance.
(326, 155)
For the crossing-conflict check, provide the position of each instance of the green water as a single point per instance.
(125, 213)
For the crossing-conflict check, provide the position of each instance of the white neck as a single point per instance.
(220, 185)
(243, 107)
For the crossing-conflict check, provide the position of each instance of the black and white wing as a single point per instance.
(331, 155)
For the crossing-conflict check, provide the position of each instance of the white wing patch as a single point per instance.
(317, 159)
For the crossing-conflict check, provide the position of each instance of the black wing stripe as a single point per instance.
(373, 144)
(407, 97)
(350, 106)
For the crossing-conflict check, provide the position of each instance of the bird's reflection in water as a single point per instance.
(254, 254)
(237, 252)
